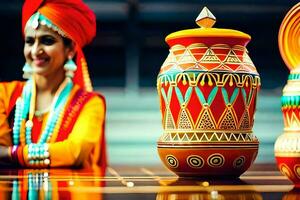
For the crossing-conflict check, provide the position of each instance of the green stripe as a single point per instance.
(250, 96)
(188, 94)
(234, 95)
(294, 77)
(225, 96)
(244, 95)
(290, 100)
(200, 95)
(179, 95)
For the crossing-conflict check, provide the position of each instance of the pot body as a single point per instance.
(207, 94)
(287, 145)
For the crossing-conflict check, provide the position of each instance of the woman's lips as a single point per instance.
(40, 62)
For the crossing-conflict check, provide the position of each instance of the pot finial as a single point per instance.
(205, 19)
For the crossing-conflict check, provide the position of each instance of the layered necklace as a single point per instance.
(23, 119)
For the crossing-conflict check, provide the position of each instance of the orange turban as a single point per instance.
(75, 19)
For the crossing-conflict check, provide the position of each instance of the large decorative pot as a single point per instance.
(287, 146)
(207, 88)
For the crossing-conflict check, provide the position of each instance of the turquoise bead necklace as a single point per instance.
(25, 108)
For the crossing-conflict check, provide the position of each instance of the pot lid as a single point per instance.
(206, 20)
(289, 39)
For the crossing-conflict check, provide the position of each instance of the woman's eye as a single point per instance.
(29, 40)
(47, 40)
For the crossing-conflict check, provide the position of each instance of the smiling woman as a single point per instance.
(45, 52)
(53, 119)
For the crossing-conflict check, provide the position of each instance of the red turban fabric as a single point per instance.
(75, 19)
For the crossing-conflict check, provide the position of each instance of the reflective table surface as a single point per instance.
(261, 181)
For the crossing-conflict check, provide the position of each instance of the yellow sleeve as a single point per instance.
(5, 130)
(85, 135)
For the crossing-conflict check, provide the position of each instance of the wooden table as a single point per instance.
(261, 181)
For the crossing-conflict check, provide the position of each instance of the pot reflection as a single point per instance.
(213, 195)
(292, 195)
(191, 189)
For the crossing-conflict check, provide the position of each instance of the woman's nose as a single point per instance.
(36, 49)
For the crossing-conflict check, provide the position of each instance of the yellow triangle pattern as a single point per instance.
(247, 59)
(210, 57)
(222, 67)
(187, 57)
(169, 121)
(206, 122)
(245, 121)
(207, 137)
(169, 60)
(228, 121)
(243, 68)
(180, 55)
(231, 58)
(184, 121)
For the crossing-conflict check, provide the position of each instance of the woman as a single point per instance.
(53, 119)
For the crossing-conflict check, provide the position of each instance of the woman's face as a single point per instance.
(45, 51)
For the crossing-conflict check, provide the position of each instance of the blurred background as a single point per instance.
(125, 58)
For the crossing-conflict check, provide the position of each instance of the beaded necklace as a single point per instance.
(25, 109)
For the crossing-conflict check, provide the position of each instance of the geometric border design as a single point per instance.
(200, 57)
(228, 120)
(196, 137)
(189, 69)
(220, 80)
(291, 118)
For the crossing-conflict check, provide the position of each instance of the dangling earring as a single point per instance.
(70, 68)
(27, 69)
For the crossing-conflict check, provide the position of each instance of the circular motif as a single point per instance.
(285, 170)
(239, 162)
(172, 161)
(195, 161)
(297, 170)
(216, 160)
(288, 38)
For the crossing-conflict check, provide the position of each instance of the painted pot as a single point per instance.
(287, 145)
(294, 194)
(207, 88)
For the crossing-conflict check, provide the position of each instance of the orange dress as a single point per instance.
(80, 141)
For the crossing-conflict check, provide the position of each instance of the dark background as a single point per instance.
(130, 48)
